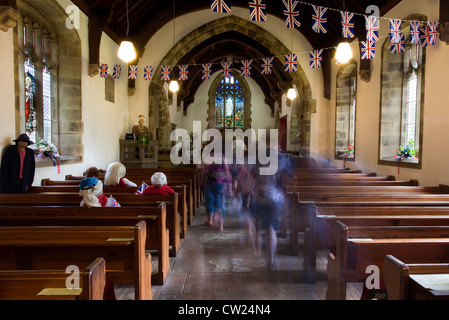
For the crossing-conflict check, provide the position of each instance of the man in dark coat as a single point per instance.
(17, 167)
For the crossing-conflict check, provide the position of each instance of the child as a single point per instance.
(115, 176)
(159, 185)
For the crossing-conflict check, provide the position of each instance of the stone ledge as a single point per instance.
(64, 160)
(8, 18)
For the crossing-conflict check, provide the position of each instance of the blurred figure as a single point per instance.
(159, 185)
(89, 189)
(217, 180)
(115, 176)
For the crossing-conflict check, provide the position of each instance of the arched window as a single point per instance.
(229, 104)
(345, 114)
(402, 100)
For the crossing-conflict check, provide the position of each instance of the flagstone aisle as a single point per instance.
(213, 265)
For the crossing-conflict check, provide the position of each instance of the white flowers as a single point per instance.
(46, 147)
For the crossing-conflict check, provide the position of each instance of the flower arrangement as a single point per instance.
(48, 150)
(349, 151)
(407, 151)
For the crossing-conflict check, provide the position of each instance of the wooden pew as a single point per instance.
(157, 234)
(321, 221)
(54, 247)
(37, 284)
(125, 200)
(358, 247)
(185, 205)
(404, 280)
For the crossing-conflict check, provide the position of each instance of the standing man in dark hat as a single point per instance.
(17, 167)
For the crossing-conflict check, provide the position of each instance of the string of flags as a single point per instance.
(424, 33)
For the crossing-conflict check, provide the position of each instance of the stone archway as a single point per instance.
(306, 104)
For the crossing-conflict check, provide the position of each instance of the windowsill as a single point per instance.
(64, 160)
(406, 163)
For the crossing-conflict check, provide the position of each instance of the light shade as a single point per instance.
(344, 53)
(291, 93)
(174, 87)
(126, 51)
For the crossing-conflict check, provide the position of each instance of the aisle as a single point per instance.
(214, 265)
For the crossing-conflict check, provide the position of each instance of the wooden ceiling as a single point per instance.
(146, 17)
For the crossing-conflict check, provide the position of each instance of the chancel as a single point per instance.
(341, 163)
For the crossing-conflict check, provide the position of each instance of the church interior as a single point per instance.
(377, 112)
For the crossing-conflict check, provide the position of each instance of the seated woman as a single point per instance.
(91, 189)
(159, 185)
(115, 176)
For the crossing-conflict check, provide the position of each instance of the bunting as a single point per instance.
(117, 71)
(104, 70)
(368, 49)
(395, 30)
(221, 6)
(257, 10)
(398, 47)
(372, 28)
(431, 32)
(165, 73)
(148, 73)
(347, 24)
(414, 32)
(291, 14)
(183, 73)
(226, 69)
(319, 19)
(291, 62)
(316, 58)
(246, 68)
(206, 72)
(267, 65)
(132, 73)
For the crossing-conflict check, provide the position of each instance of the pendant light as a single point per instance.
(174, 87)
(126, 52)
(291, 94)
(344, 52)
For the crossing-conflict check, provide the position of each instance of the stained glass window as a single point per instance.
(46, 86)
(30, 99)
(229, 104)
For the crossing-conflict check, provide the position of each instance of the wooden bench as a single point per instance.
(319, 233)
(157, 234)
(185, 205)
(56, 247)
(415, 281)
(358, 247)
(40, 284)
(125, 200)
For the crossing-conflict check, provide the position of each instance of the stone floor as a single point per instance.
(214, 265)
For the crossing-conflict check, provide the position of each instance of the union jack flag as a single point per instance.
(165, 73)
(347, 23)
(221, 6)
(414, 32)
(257, 10)
(291, 62)
(104, 70)
(398, 47)
(206, 72)
(246, 68)
(142, 187)
(291, 15)
(319, 19)
(183, 73)
(372, 28)
(368, 49)
(226, 69)
(148, 73)
(267, 65)
(132, 74)
(117, 71)
(113, 202)
(432, 33)
(316, 58)
(395, 30)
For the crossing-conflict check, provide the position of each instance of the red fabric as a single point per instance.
(103, 200)
(22, 159)
(158, 190)
(109, 293)
(122, 183)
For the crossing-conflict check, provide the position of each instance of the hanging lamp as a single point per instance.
(344, 53)
(174, 86)
(126, 52)
(291, 94)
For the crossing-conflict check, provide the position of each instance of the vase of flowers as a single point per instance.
(349, 151)
(48, 150)
(407, 151)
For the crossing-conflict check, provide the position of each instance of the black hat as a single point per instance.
(24, 137)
